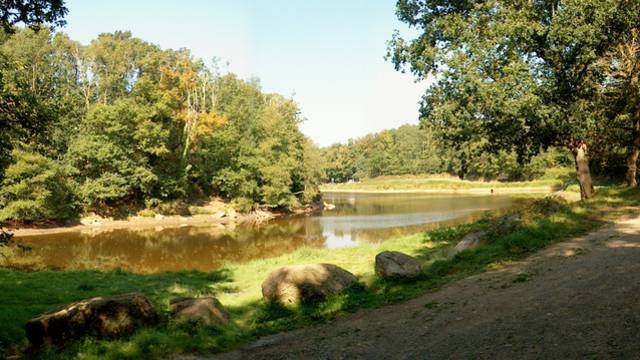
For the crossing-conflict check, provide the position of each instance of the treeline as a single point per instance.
(121, 124)
(415, 150)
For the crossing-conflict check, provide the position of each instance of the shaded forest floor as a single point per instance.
(575, 299)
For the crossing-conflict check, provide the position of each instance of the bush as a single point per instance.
(548, 205)
(35, 188)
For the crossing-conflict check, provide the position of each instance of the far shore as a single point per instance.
(95, 225)
(476, 191)
(137, 222)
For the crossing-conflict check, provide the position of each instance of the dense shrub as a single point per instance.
(34, 188)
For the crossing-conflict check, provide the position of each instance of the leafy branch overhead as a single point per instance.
(31, 12)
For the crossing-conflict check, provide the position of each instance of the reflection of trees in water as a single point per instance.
(199, 248)
(375, 204)
(378, 235)
(208, 247)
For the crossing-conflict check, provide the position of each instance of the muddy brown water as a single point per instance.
(358, 218)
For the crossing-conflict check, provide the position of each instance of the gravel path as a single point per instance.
(579, 299)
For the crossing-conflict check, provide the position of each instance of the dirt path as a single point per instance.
(579, 300)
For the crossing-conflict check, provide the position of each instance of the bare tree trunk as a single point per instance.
(583, 174)
(632, 156)
(632, 159)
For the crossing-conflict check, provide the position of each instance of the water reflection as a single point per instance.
(358, 218)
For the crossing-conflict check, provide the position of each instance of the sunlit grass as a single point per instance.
(554, 178)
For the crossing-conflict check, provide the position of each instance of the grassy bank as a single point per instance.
(553, 179)
(27, 294)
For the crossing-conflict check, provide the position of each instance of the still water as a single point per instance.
(357, 219)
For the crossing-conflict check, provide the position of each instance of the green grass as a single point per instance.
(543, 222)
(554, 178)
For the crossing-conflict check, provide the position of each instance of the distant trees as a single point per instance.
(411, 149)
(123, 124)
(517, 76)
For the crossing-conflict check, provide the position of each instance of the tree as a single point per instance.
(43, 74)
(517, 74)
(16, 116)
(113, 153)
(621, 91)
(31, 12)
(35, 188)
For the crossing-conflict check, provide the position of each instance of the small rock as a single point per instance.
(90, 222)
(100, 316)
(159, 217)
(208, 311)
(396, 265)
(306, 283)
(328, 206)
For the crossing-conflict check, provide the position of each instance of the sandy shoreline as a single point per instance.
(102, 224)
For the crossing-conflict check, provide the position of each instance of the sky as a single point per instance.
(328, 55)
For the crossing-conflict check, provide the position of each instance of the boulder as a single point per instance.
(306, 283)
(396, 265)
(100, 316)
(469, 241)
(208, 310)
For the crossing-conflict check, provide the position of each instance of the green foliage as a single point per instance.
(138, 126)
(32, 12)
(414, 150)
(260, 155)
(35, 188)
(6, 238)
(112, 154)
(514, 76)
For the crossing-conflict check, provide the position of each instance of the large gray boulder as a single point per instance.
(306, 283)
(100, 316)
(396, 265)
(208, 311)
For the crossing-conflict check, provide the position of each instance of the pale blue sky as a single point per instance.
(327, 54)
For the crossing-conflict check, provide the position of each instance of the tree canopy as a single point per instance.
(518, 76)
(124, 124)
(31, 12)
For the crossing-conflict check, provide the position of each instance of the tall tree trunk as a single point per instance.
(632, 159)
(632, 156)
(583, 174)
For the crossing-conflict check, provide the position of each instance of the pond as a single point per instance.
(358, 218)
